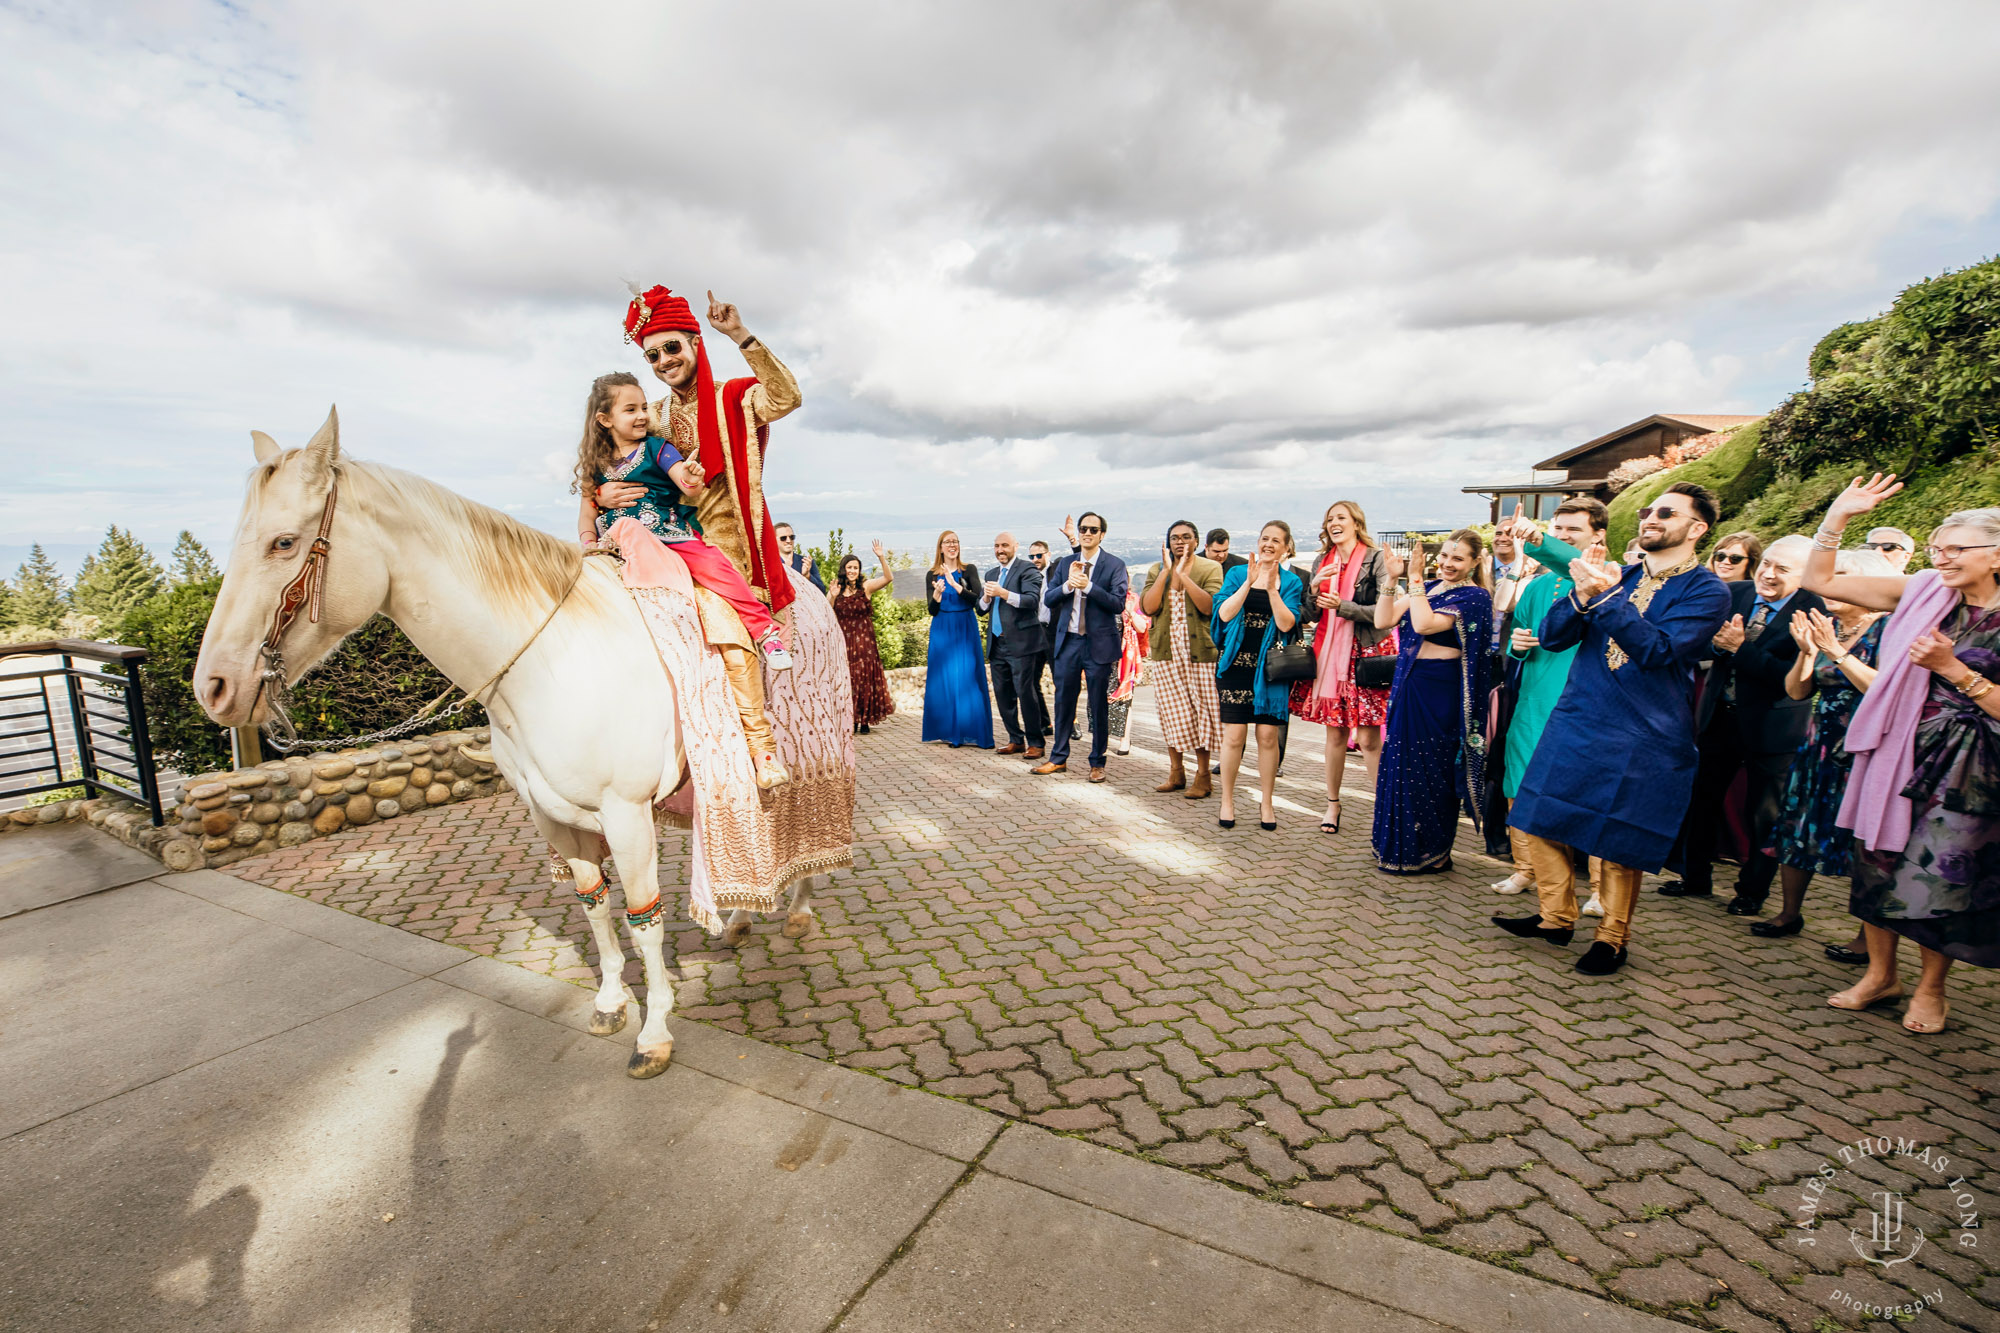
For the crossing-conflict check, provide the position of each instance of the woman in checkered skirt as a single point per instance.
(1179, 594)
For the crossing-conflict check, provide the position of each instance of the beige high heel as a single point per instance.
(1892, 994)
(1944, 1012)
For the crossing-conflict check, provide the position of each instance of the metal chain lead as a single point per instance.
(283, 736)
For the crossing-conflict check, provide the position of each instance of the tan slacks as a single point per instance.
(1523, 866)
(1555, 881)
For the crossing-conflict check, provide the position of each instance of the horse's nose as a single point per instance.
(217, 694)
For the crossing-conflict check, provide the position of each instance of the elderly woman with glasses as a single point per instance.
(1736, 556)
(1923, 794)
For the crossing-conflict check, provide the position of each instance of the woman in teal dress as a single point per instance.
(1923, 799)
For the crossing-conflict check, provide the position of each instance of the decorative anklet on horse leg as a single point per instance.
(646, 915)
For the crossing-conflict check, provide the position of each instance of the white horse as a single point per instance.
(585, 725)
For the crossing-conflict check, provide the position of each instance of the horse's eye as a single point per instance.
(284, 543)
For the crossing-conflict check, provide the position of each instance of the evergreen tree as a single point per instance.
(39, 596)
(192, 562)
(6, 606)
(120, 576)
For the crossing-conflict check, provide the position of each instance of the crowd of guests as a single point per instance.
(1800, 709)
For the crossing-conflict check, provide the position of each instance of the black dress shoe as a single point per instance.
(1531, 928)
(1772, 930)
(1601, 960)
(1840, 953)
(1677, 888)
(1741, 906)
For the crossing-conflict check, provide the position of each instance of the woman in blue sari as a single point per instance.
(1433, 742)
(1258, 604)
(957, 708)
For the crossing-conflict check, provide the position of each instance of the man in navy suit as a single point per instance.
(1085, 594)
(1015, 643)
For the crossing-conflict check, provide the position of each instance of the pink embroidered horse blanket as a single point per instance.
(750, 846)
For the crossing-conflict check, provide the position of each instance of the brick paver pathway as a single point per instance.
(1267, 1009)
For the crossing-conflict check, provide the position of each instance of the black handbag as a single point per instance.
(1287, 662)
(1375, 673)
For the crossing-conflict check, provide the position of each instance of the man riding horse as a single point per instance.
(726, 427)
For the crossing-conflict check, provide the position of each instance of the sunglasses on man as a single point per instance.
(1038, 556)
(1088, 527)
(1883, 546)
(1663, 512)
(671, 347)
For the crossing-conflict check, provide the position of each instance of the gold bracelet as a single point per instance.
(1976, 687)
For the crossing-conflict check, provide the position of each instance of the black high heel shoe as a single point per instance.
(1226, 823)
(1331, 825)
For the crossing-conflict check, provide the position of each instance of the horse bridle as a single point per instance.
(303, 591)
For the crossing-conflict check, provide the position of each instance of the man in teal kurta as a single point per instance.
(1577, 526)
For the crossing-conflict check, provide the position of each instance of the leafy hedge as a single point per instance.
(902, 631)
(1920, 384)
(374, 679)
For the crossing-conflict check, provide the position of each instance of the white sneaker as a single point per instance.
(777, 658)
(1514, 883)
(1594, 907)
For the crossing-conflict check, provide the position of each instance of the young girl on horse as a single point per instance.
(617, 447)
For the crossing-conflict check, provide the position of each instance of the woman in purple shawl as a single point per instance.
(1924, 796)
(1433, 742)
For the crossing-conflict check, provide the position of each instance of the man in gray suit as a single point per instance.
(1016, 642)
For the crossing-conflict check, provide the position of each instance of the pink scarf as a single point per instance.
(1335, 641)
(1882, 736)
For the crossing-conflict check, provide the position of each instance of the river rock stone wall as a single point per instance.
(217, 819)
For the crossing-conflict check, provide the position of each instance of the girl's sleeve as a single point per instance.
(665, 454)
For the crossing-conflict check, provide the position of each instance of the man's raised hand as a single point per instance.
(724, 319)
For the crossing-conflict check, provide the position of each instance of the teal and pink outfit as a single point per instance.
(666, 515)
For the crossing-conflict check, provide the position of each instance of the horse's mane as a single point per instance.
(523, 568)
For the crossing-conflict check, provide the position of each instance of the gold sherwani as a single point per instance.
(727, 518)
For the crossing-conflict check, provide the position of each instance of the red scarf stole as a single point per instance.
(759, 534)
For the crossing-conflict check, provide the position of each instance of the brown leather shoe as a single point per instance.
(1046, 769)
(1174, 782)
(1097, 775)
(1201, 786)
(1009, 748)
(1034, 752)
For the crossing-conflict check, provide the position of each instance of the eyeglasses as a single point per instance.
(671, 347)
(1088, 527)
(1724, 558)
(1883, 546)
(1662, 512)
(1038, 556)
(1952, 553)
(785, 540)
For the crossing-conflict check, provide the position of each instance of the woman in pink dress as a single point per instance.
(1342, 595)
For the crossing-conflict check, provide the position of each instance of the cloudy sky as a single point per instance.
(1220, 260)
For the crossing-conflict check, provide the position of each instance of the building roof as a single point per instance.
(1534, 487)
(1707, 423)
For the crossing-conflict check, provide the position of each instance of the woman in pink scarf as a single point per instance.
(1923, 798)
(1342, 595)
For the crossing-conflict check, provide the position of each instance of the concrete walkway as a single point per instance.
(225, 1107)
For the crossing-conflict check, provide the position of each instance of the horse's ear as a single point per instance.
(266, 447)
(323, 449)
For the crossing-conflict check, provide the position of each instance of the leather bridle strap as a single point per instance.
(304, 589)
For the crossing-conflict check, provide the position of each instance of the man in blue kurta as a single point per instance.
(1628, 706)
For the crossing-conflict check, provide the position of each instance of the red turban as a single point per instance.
(658, 310)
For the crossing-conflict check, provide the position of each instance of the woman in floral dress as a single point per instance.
(1836, 661)
(852, 599)
(1923, 799)
(1341, 596)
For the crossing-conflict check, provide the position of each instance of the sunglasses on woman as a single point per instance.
(1724, 558)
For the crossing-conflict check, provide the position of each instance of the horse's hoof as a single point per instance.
(650, 1064)
(797, 924)
(735, 934)
(604, 1022)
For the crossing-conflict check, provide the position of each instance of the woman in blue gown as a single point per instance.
(1433, 741)
(957, 708)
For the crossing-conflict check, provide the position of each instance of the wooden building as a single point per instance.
(1586, 469)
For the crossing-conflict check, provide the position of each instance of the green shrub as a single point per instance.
(1829, 352)
(1843, 418)
(374, 679)
(902, 630)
